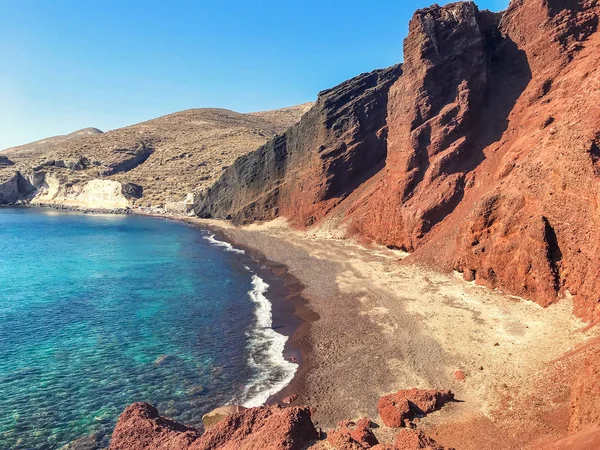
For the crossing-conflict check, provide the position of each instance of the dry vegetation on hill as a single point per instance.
(168, 156)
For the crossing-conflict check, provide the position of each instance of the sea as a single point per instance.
(100, 311)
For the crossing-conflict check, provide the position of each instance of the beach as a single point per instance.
(374, 325)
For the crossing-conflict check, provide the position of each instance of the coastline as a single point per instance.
(283, 292)
(375, 325)
(372, 325)
(290, 315)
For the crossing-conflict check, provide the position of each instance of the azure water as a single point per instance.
(99, 311)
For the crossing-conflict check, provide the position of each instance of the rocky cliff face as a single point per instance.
(480, 154)
(13, 187)
(313, 166)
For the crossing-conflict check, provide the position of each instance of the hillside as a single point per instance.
(478, 154)
(149, 164)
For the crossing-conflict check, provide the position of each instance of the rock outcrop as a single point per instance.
(267, 427)
(96, 194)
(352, 436)
(13, 187)
(5, 162)
(305, 172)
(480, 154)
(399, 409)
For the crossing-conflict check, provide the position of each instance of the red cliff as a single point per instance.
(481, 153)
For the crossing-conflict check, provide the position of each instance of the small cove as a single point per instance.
(99, 311)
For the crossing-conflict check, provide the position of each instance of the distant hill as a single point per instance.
(38, 148)
(167, 157)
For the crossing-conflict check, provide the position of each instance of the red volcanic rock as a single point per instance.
(267, 427)
(585, 396)
(394, 411)
(290, 399)
(352, 436)
(140, 426)
(459, 375)
(480, 154)
(405, 405)
(305, 172)
(414, 440)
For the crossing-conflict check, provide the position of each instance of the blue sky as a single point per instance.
(70, 64)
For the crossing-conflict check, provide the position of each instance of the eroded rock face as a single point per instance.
(13, 187)
(585, 396)
(481, 154)
(267, 427)
(96, 194)
(313, 166)
(434, 110)
(399, 409)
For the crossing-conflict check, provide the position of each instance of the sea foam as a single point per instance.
(226, 245)
(265, 345)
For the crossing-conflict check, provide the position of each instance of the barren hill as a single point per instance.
(148, 164)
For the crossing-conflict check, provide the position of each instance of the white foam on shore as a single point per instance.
(226, 245)
(266, 347)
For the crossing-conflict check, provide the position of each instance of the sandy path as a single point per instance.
(385, 326)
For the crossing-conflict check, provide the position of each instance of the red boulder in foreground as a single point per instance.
(407, 404)
(352, 436)
(140, 426)
(265, 428)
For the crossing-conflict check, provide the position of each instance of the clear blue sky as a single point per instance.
(71, 64)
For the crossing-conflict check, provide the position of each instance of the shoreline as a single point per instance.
(290, 313)
(384, 326)
(373, 326)
(284, 294)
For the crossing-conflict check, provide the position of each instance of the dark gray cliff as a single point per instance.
(314, 165)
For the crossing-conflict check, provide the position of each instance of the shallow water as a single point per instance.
(99, 311)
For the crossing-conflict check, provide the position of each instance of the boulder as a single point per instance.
(405, 405)
(265, 428)
(352, 436)
(217, 415)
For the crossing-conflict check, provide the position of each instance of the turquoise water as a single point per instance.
(99, 311)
